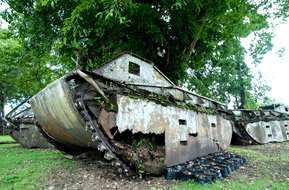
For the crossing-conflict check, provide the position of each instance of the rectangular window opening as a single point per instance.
(184, 143)
(267, 126)
(133, 68)
(286, 125)
(213, 124)
(193, 134)
(182, 122)
(269, 135)
(286, 109)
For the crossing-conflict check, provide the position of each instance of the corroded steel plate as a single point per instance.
(55, 112)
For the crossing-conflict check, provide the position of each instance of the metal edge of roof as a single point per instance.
(162, 74)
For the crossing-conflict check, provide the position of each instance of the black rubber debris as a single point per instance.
(206, 169)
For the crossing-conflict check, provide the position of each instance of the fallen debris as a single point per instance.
(206, 169)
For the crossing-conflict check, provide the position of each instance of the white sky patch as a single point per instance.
(3, 6)
(274, 69)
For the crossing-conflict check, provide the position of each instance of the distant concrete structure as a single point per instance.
(277, 107)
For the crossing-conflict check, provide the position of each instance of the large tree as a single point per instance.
(22, 75)
(193, 42)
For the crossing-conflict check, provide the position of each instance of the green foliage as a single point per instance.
(202, 37)
(22, 73)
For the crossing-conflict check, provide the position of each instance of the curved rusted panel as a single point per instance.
(54, 110)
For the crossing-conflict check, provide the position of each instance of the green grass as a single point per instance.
(246, 152)
(22, 168)
(6, 138)
(260, 184)
(31, 168)
(263, 172)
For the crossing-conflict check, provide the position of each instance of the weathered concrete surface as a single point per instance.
(265, 132)
(29, 136)
(262, 126)
(277, 107)
(188, 134)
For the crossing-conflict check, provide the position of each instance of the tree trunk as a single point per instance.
(2, 104)
(188, 51)
(242, 87)
(242, 95)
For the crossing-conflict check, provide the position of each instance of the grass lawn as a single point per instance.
(23, 168)
(267, 168)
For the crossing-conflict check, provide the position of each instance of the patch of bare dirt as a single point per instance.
(96, 175)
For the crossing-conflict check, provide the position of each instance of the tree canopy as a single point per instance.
(196, 43)
(22, 75)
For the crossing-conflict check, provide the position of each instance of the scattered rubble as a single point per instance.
(206, 169)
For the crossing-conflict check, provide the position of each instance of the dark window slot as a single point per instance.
(286, 109)
(267, 126)
(213, 124)
(182, 122)
(193, 134)
(134, 68)
(269, 135)
(286, 125)
(184, 143)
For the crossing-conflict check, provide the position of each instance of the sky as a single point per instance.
(274, 70)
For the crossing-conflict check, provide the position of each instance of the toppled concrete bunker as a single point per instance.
(271, 124)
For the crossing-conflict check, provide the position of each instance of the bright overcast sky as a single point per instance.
(274, 69)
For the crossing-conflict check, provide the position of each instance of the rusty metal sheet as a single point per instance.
(107, 121)
(188, 134)
(55, 111)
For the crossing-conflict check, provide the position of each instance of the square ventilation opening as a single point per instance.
(133, 68)
(182, 122)
(193, 134)
(184, 143)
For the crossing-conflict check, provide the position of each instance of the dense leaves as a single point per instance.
(22, 75)
(194, 42)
